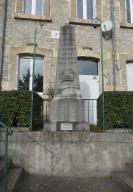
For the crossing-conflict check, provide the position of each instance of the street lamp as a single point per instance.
(33, 71)
(106, 31)
(32, 89)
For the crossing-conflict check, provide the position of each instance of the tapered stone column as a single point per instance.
(67, 107)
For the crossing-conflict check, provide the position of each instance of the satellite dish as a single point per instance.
(106, 26)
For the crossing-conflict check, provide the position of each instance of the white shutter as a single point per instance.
(33, 10)
(94, 9)
(129, 70)
(84, 9)
(131, 10)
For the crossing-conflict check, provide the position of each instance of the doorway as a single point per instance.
(89, 87)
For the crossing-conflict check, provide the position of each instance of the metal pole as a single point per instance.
(3, 40)
(5, 160)
(32, 91)
(113, 45)
(102, 74)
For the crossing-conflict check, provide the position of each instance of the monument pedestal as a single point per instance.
(67, 126)
(66, 110)
(67, 114)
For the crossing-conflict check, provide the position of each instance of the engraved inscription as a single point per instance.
(66, 126)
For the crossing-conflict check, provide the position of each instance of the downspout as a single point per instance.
(113, 44)
(5, 3)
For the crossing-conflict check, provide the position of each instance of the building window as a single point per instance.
(87, 67)
(86, 9)
(129, 10)
(25, 73)
(33, 7)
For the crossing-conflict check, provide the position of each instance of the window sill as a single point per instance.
(32, 17)
(126, 25)
(80, 21)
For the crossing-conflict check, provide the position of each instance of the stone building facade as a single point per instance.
(21, 39)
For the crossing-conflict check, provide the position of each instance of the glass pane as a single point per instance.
(87, 67)
(80, 8)
(27, 6)
(38, 75)
(128, 11)
(24, 73)
(39, 7)
(89, 9)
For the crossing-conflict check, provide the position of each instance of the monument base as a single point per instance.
(67, 109)
(66, 126)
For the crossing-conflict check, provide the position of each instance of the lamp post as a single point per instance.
(98, 23)
(33, 71)
(106, 31)
(32, 87)
(102, 74)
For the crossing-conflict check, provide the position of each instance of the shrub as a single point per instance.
(118, 109)
(16, 105)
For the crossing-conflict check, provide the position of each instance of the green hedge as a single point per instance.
(17, 104)
(118, 109)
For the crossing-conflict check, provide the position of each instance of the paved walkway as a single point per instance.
(58, 184)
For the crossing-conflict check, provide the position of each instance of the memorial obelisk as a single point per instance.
(67, 107)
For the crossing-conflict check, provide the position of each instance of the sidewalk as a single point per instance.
(34, 183)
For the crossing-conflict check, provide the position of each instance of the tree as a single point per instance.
(38, 82)
(24, 83)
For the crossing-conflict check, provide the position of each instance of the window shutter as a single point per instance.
(131, 10)
(94, 9)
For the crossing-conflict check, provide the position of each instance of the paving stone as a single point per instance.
(36, 183)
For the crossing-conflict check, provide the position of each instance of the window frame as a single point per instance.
(130, 10)
(31, 57)
(123, 16)
(92, 60)
(73, 19)
(33, 7)
(85, 10)
(19, 12)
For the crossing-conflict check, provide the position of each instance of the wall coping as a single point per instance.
(69, 137)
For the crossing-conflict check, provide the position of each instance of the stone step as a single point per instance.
(124, 180)
(129, 168)
(9, 163)
(13, 179)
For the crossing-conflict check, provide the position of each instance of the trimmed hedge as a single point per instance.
(118, 109)
(16, 104)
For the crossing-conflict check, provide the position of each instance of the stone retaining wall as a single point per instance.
(75, 154)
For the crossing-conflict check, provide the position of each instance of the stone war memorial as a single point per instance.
(67, 106)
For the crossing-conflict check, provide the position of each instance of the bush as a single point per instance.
(96, 129)
(118, 109)
(15, 107)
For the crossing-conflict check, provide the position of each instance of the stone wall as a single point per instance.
(75, 154)
(20, 35)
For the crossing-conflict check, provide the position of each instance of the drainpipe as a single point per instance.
(3, 39)
(113, 44)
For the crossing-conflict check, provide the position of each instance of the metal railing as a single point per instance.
(27, 149)
(113, 122)
(8, 131)
(90, 111)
